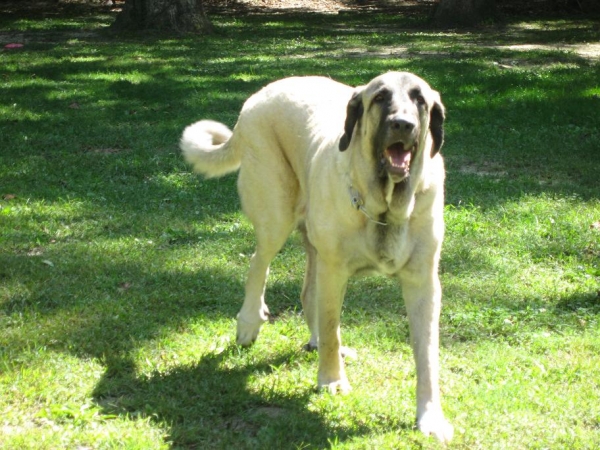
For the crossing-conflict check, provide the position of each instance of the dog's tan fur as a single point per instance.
(332, 161)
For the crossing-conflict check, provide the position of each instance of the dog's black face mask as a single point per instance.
(356, 109)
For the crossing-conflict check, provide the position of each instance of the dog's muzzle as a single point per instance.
(396, 160)
(400, 147)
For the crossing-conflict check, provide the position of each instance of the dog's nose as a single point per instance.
(402, 124)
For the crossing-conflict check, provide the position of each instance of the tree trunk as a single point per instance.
(164, 15)
(589, 6)
(463, 13)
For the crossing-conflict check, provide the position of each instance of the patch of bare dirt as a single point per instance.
(328, 6)
(588, 50)
(262, 7)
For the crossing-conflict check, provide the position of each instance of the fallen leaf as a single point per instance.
(503, 66)
(595, 225)
(35, 251)
(13, 45)
(106, 151)
(125, 286)
(74, 105)
(9, 196)
(48, 262)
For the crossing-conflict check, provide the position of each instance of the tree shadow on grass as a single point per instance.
(203, 404)
(209, 405)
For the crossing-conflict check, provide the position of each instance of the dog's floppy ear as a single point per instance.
(436, 124)
(354, 111)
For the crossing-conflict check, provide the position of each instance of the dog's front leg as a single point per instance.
(423, 304)
(330, 290)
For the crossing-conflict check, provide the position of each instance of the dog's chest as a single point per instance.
(386, 250)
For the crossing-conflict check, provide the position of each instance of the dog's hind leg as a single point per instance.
(254, 311)
(308, 293)
(267, 206)
(309, 304)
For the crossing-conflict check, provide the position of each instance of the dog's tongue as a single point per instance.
(397, 155)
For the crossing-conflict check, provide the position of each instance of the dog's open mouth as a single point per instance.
(397, 158)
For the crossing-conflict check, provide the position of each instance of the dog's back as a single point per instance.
(282, 120)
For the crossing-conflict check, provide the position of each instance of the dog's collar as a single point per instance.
(359, 204)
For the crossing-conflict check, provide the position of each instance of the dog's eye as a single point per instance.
(379, 98)
(420, 99)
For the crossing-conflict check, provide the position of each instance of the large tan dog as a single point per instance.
(359, 173)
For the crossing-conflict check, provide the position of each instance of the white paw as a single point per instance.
(333, 380)
(433, 423)
(248, 327)
(348, 353)
(341, 386)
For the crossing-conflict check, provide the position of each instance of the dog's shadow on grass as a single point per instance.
(209, 405)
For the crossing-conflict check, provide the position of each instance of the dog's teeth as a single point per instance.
(398, 159)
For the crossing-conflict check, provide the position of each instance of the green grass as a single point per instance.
(121, 272)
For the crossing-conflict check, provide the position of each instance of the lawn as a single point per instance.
(121, 272)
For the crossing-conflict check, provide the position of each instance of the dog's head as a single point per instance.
(396, 113)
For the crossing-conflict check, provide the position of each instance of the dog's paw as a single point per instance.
(310, 347)
(247, 329)
(341, 386)
(433, 423)
(348, 353)
(337, 387)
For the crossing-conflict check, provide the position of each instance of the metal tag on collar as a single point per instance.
(356, 201)
(358, 204)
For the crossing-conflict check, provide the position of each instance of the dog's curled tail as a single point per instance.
(206, 145)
